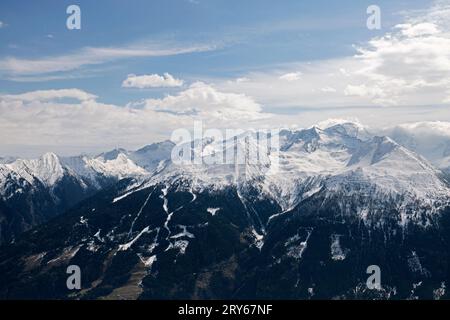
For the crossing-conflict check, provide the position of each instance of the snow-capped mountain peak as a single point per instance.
(47, 169)
(120, 167)
(150, 156)
(113, 154)
(336, 159)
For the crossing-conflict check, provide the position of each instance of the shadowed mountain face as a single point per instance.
(340, 201)
(164, 242)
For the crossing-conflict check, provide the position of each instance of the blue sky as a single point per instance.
(248, 34)
(263, 62)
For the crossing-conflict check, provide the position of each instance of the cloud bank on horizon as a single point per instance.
(401, 75)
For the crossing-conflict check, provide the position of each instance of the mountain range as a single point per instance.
(32, 191)
(303, 222)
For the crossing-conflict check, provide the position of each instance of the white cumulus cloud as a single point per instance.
(206, 102)
(151, 81)
(420, 29)
(408, 65)
(291, 76)
(45, 120)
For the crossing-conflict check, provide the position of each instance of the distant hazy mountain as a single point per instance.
(430, 139)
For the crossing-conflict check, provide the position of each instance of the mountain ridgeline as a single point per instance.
(33, 191)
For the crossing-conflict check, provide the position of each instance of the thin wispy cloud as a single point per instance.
(89, 56)
(47, 95)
